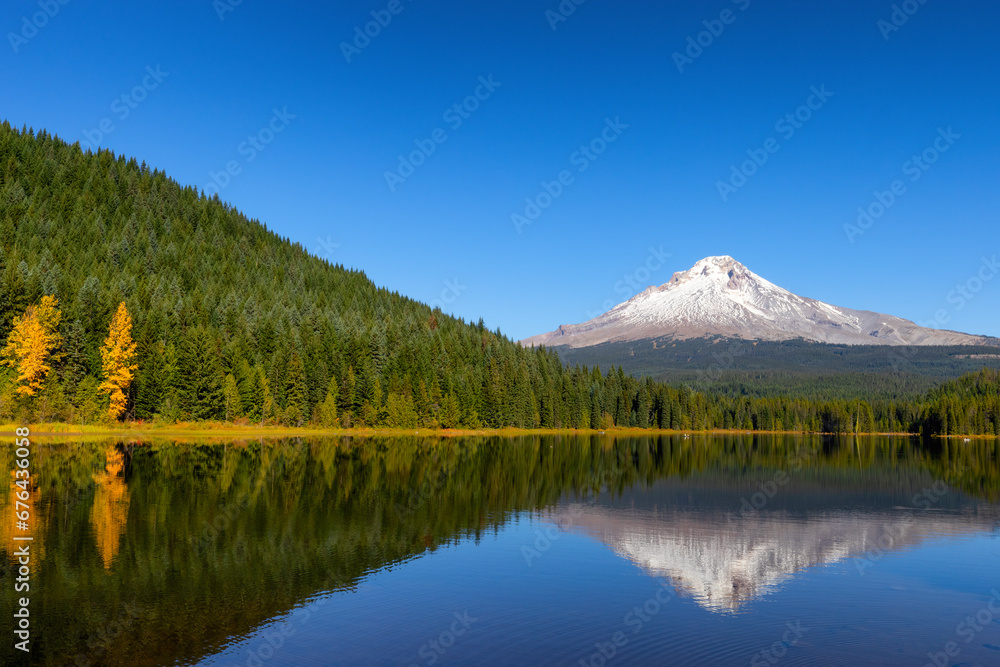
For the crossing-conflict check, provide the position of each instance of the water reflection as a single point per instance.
(201, 544)
(725, 561)
(35, 525)
(110, 509)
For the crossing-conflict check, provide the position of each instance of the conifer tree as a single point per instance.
(201, 393)
(231, 395)
(246, 383)
(118, 361)
(328, 408)
(74, 361)
(347, 397)
(451, 412)
(173, 382)
(150, 382)
(266, 399)
(296, 405)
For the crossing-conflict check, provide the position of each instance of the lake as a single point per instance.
(544, 550)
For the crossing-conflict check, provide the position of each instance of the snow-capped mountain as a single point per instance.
(718, 296)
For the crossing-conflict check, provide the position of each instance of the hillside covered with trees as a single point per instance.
(228, 320)
(793, 368)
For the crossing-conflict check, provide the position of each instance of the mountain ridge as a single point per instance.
(719, 296)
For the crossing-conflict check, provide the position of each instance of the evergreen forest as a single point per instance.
(125, 295)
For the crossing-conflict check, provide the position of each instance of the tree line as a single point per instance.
(230, 321)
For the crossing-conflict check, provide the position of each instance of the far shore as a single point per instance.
(238, 431)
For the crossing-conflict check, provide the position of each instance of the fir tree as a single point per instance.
(201, 395)
(328, 408)
(296, 391)
(231, 396)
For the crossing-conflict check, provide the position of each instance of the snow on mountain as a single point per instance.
(718, 296)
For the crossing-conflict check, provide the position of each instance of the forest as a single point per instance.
(790, 367)
(125, 295)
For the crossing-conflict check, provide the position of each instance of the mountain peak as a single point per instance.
(722, 269)
(717, 260)
(714, 264)
(719, 296)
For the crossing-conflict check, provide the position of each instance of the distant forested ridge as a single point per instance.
(794, 368)
(231, 321)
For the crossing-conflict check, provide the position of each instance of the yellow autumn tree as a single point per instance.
(117, 357)
(32, 345)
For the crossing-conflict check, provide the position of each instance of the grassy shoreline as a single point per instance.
(225, 429)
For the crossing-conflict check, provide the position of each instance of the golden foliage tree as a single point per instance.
(32, 345)
(117, 359)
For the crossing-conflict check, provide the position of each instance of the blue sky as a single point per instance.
(590, 114)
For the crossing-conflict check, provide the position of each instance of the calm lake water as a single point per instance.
(737, 550)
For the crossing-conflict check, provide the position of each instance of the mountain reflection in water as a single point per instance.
(689, 534)
(167, 553)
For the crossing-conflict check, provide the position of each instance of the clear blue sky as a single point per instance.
(656, 185)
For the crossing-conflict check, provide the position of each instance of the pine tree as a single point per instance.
(347, 397)
(13, 298)
(246, 382)
(296, 404)
(231, 396)
(201, 394)
(74, 362)
(267, 405)
(400, 412)
(89, 400)
(451, 411)
(150, 382)
(371, 409)
(173, 383)
(328, 408)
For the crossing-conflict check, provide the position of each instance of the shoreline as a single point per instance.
(220, 429)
